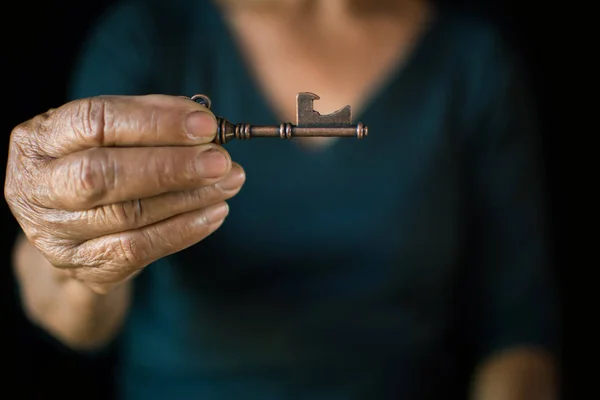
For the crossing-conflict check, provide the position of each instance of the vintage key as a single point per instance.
(309, 123)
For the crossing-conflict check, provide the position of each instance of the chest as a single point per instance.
(385, 209)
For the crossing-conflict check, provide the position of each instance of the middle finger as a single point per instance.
(103, 176)
(135, 214)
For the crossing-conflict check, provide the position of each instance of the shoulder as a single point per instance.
(474, 54)
(477, 43)
(487, 73)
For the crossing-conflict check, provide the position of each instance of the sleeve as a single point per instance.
(117, 57)
(514, 300)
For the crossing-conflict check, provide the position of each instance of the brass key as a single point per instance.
(309, 123)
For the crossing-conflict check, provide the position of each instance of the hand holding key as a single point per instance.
(104, 186)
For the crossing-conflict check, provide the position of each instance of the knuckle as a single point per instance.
(129, 213)
(33, 138)
(169, 167)
(20, 133)
(93, 177)
(94, 255)
(28, 216)
(89, 120)
(153, 121)
(23, 184)
(176, 167)
(12, 190)
(61, 254)
(131, 251)
(22, 141)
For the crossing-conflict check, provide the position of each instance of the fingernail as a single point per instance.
(201, 125)
(233, 181)
(212, 164)
(216, 213)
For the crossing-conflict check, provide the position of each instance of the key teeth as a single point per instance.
(307, 116)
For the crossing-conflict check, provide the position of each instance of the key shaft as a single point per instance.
(309, 123)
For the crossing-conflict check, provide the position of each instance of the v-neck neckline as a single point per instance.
(386, 87)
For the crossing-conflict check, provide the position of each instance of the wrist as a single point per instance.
(84, 297)
(76, 314)
(85, 319)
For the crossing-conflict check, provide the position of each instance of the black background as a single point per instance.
(39, 44)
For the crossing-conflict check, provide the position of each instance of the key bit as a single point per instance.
(309, 123)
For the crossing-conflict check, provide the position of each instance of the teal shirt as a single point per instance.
(363, 271)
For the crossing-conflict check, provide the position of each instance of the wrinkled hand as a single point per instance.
(105, 186)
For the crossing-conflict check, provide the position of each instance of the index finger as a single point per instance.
(124, 121)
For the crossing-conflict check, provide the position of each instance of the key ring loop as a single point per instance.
(202, 99)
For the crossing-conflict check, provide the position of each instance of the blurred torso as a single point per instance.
(336, 273)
